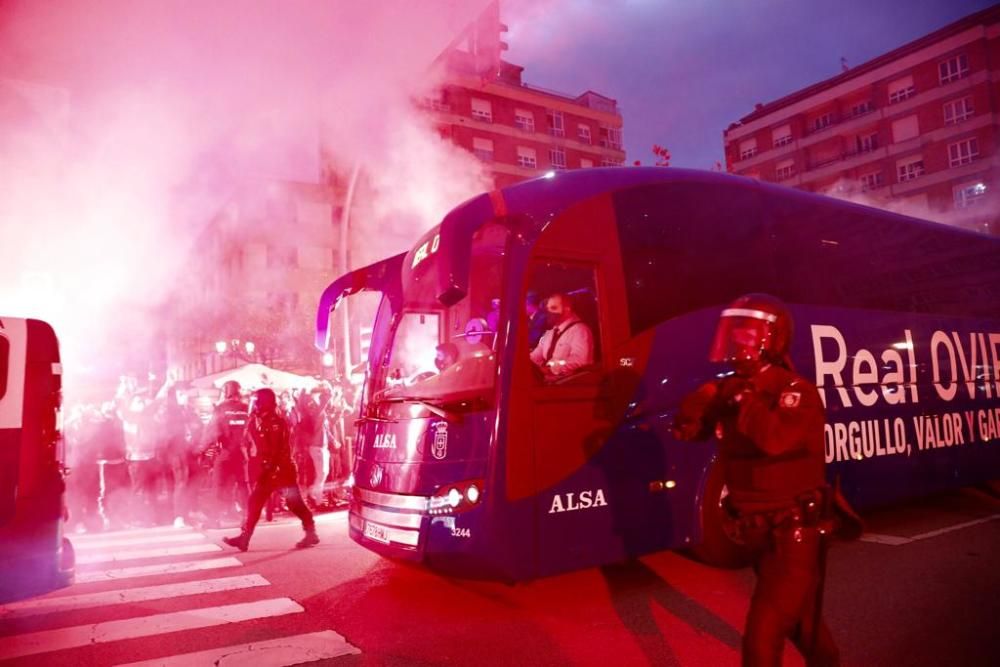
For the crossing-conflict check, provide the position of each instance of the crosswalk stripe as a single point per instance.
(45, 641)
(137, 554)
(131, 532)
(91, 545)
(159, 568)
(129, 596)
(292, 650)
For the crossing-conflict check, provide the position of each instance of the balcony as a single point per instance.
(851, 124)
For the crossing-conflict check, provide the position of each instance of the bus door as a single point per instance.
(565, 451)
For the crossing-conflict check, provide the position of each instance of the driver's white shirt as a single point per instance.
(574, 347)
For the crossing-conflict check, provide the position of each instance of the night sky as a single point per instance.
(682, 71)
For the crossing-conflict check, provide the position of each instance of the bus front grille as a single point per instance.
(389, 518)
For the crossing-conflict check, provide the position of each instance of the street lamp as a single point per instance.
(235, 347)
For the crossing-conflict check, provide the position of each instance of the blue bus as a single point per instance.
(471, 463)
(34, 554)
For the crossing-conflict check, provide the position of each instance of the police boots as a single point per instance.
(241, 541)
(311, 539)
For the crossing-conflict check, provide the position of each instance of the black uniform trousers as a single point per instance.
(787, 564)
(262, 490)
(229, 477)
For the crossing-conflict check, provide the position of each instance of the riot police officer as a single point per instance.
(268, 434)
(225, 450)
(769, 424)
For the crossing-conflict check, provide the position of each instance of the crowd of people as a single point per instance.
(149, 458)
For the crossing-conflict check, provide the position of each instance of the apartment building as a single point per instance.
(519, 131)
(254, 276)
(915, 129)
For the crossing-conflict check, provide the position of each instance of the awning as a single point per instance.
(256, 376)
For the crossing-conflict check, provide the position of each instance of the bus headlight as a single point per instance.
(456, 498)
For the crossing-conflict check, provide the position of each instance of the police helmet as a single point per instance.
(754, 328)
(263, 401)
(231, 390)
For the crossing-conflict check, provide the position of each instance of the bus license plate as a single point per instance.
(376, 532)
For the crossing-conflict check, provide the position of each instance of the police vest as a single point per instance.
(771, 482)
(233, 423)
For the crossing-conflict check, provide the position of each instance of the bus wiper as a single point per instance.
(379, 420)
(434, 408)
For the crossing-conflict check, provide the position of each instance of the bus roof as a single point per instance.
(533, 203)
(530, 205)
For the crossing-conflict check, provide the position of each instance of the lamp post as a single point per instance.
(236, 349)
(328, 362)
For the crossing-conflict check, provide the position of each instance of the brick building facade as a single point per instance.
(519, 131)
(915, 129)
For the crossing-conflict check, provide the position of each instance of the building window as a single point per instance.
(524, 120)
(861, 108)
(781, 136)
(969, 194)
(963, 152)
(901, 89)
(748, 149)
(586, 163)
(557, 157)
(822, 122)
(439, 101)
(953, 69)
(866, 143)
(611, 162)
(611, 137)
(284, 303)
(482, 148)
(910, 168)
(784, 170)
(316, 258)
(905, 129)
(255, 256)
(871, 181)
(556, 126)
(526, 157)
(482, 110)
(958, 110)
(583, 133)
(282, 257)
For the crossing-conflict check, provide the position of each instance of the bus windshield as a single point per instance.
(441, 354)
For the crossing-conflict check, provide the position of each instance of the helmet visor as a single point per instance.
(740, 338)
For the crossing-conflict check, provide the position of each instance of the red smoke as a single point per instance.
(127, 124)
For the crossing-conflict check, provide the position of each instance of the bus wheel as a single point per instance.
(717, 547)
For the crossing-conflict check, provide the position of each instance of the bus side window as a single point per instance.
(549, 277)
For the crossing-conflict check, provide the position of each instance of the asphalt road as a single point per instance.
(922, 588)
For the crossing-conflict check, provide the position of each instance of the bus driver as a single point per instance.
(568, 345)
